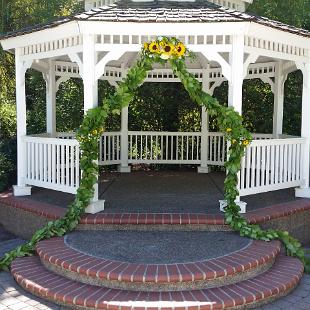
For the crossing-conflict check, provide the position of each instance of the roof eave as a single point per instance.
(66, 29)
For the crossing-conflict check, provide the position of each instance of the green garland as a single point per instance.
(174, 52)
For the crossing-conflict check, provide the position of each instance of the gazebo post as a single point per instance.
(90, 83)
(304, 190)
(203, 168)
(123, 167)
(21, 66)
(278, 100)
(50, 79)
(235, 83)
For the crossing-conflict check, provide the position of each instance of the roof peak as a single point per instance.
(238, 5)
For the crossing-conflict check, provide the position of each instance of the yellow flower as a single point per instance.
(162, 43)
(94, 132)
(145, 46)
(180, 49)
(168, 48)
(245, 142)
(233, 141)
(228, 130)
(101, 130)
(154, 47)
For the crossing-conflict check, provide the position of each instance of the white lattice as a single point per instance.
(274, 46)
(54, 45)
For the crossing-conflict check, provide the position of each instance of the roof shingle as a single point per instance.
(176, 12)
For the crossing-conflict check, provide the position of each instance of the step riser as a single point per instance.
(257, 257)
(252, 305)
(162, 287)
(159, 227)
(267, 287)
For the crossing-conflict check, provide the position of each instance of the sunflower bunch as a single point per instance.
(165, 48)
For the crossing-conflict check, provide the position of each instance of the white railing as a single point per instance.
(216, 148)
(164, 147)
(110, 148)
(65, 135)
(53, 163)
(270, 165)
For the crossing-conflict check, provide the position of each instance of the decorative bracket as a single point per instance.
(111, 55)
(61, 80)
(269, 81)
(74, 57)
(250, 60)
(215, 56)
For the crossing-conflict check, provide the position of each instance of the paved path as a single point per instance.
(12, 297)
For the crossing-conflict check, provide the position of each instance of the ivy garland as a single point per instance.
(161, 51)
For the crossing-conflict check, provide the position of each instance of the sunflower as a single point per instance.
(180, 49)
(145, 46)
(154, 47)
(245, 142)
(228, 130)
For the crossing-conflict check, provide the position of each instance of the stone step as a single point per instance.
(255, 258)
(275, 283)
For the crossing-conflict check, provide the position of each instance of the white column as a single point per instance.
(90, 83)
(236, 60)
(123, 167)
(278, 100)
(21, 189)
(51, 100)
(203, 168)
(304, 191)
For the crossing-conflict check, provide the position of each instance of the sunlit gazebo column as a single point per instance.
(304, 190)
(21, 66)
(90, 83)
(235, 83)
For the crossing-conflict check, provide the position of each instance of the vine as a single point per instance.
(174, 52)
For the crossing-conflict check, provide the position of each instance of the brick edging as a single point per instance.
(275, 283)
(50, 211)
(257, 257)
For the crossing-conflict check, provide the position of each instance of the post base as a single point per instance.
(302, 192)
(21, 190)
(124, 169)
(201, 169)
(241, 204)
(95, 207)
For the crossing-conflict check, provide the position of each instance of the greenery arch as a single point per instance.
(174, 52)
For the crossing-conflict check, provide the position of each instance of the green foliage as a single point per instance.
(7, 121)
(7, 169)
(292, 12)
(228, 121)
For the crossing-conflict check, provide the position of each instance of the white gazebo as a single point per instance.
(103, 42)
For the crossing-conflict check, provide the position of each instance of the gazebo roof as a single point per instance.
(163, 12)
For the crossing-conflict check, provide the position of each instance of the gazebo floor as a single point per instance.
(164, 192)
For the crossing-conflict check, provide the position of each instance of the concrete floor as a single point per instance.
(156, 247)
(164, 192)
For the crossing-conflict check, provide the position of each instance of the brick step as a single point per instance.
(275, 283)
(246, 263)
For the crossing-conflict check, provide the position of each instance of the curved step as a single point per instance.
(246, 263)
(275, 283)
